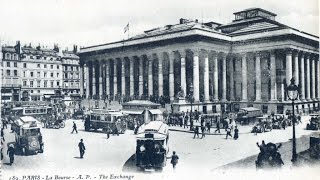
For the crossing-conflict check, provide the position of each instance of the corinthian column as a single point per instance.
(123, 77)
(93, 80)
(307, 59)
(183, 70)
(86, 67)
(160, 76)
(273, 76)
(244, 78)
(296, 67)
(206, 77)
(81, 80)
(131, 77)
(313, 78)
(215, 77)
(196, 74)
(258, 77)
(171, 76)
(107, 78)
(302, 83)
(150, 77)
(141, 76)
(224, 77)
(100, 79)
(231, 70)
(288, 66)
(115, 77)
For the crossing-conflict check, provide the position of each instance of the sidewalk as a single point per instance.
(243, 129)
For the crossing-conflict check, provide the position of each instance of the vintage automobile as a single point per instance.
(78, 114)
(264, 124)
(152, 146)
(28, 137)
(277, 121)
(245, 115)
(314, 122)
(105, 119)
(269, 157)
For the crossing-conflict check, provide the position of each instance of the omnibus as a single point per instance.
(152, 146)
(102, 119)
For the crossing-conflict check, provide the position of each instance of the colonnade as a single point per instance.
(144, 74)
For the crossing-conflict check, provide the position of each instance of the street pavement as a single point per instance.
(115, 155)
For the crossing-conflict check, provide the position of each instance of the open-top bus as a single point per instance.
(152, 145)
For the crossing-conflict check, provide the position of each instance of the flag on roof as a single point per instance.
(126, 28)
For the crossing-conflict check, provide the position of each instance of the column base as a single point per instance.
(258, 100)
(273, 100)
(244, 100)
(223, 100)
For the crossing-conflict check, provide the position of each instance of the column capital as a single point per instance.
(182, 52)
(214, 53)
(295, 52)
(223, 55)
(288, 51)
(258, 53)
(196, 51)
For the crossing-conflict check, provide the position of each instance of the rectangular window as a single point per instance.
(58, 83)
(51, 74)
(58, 75)
(31, 83)
(8, 72)
(15, 72)
(66, 75)
(51, 83)
(8, 64)
(38, 83)
(15, 64)
(38, 74)
(31, 74)
(44, 58)
(45, 83)
(31, 57)
(38, 66)
(57, 66)
(65, 68)
(51, 66)
(45, 66)
(45, 74)
(24, 65)
(38, 57)
(24, 74)
(24, 83)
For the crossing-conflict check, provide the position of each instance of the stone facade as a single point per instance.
(248, 62)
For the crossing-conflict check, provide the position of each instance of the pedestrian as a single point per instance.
(74, 128)
(10, 152)
(191, 124)
(236, 133)
(82, 148)
(2, 136)
(203, 128)
(228, 132)
(218, 126)
(208, 126)
(185, 120)
(174, 160)
(196, 132)
(1, 153)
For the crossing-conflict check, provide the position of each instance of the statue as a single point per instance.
(180, 93)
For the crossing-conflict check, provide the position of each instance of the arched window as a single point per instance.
(8, 56)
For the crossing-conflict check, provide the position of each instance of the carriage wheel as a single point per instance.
(62, 124)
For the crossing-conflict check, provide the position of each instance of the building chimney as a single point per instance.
(75, 49)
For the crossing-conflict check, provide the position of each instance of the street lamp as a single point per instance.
(293, 94)
(191, 95)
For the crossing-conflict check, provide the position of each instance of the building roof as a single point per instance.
(69, 55)
(141, 102)
(259, 9)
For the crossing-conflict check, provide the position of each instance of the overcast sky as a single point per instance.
(92, 22)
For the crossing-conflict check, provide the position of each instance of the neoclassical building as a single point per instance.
(248, 62)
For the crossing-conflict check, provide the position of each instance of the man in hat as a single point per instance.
(74, 128)
(82, 148)
(10, 152)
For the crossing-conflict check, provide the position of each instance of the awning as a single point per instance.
(155, 111)
(136, 112)
(47, 96)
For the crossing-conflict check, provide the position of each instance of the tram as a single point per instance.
(105, 119)
(152, 146)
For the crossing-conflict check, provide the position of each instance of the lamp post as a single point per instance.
(191, 95)
(293, 94)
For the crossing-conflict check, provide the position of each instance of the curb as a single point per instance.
(178, 130)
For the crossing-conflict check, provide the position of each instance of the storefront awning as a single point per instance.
(135, 112)
(155, 111)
